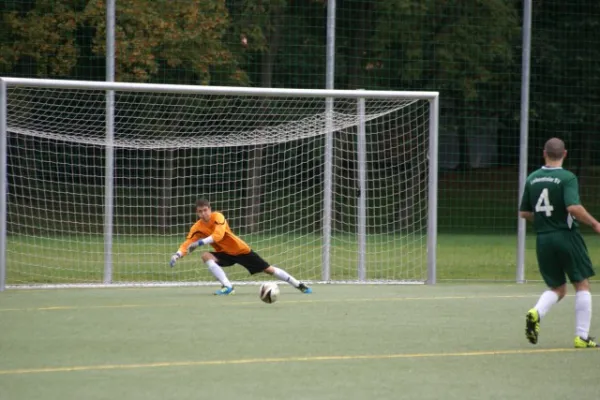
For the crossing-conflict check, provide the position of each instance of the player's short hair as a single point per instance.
(202, 203)
(555, 149)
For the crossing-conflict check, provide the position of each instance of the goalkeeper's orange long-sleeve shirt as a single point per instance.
(224, 239)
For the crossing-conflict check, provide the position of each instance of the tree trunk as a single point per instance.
(585, 158)
(255, 155)
(358, 45)
(165, 201)
(463, 140)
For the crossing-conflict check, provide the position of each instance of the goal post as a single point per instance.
(3, 181)
(101, 194)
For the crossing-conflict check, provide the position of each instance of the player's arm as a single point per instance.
(574, 207)
(581, 214)
(216, 236)
(525, 209)
(528, 215)
(183, 248)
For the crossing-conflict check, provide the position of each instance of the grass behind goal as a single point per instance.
(145, 259)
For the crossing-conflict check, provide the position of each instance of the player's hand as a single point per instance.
(596, 227)
(174, 259)
(193, 245)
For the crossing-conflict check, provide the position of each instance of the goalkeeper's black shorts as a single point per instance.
(251, 261)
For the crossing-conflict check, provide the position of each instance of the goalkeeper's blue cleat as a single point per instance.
(532, 326)
(225, 291)
(304, 289)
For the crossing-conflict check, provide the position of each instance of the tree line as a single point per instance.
(469, 50)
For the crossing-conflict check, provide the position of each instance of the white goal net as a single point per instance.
(336, 195)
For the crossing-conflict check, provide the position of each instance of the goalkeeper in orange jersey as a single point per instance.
(213, 229)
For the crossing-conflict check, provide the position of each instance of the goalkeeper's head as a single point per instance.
(203, 210)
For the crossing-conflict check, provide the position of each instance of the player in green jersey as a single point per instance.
(551, 201)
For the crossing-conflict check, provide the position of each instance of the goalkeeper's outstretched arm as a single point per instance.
(216, 231)
(196, 243)
(216, 236)
(183, 250)
(192, 242)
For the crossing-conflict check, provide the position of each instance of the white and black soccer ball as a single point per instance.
(269, 292)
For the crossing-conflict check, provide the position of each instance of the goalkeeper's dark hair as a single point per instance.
(202, 203)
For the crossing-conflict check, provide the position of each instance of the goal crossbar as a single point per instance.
(216, 90)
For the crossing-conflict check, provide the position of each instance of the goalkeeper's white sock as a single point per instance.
(218, 273)
(546, 301)
(583, 313)
(284, 276)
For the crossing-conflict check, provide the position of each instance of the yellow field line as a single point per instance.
(253, 302)
(62, 308)
(303, 301)
(168, 364)
(364, 300)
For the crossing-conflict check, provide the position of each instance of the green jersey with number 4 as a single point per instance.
(547, 193)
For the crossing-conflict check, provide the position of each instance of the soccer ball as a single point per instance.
(269, 292)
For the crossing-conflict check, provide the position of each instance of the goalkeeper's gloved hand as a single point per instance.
(174, 259)
(193, 245)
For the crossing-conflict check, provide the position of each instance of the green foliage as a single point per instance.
(161, 36)
(45, 35)
(154, 40)
(566, 73)
(458, 45)
(461, 43)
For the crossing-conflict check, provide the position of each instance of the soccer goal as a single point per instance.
(100, 181)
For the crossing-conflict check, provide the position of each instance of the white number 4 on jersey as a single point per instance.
(543, 204)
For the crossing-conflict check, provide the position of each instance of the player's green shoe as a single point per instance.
(225, 291)
(585, 344)
(532, 326)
